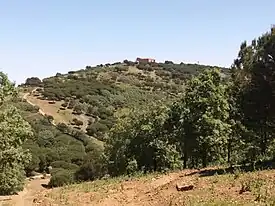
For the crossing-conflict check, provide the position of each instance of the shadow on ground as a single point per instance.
(46, 186)
(231, 170)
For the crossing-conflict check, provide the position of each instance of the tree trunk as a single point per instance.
(204, 156)
(263, 143)
(185, 158)
(204, 161)
(185, 153)
(229, 150)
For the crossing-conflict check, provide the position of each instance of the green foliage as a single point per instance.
(94, 90)
(45, 138)
(253, 76)
(205, 116)
(24, 106)
(132, 167)
(191, 132)
(94, 166)
(153, 117)
(77, 122)
(140, 137)
(14, 131)
(64, 165)
(61, 178)
(97, 129)
(33, 81)
(11, 179)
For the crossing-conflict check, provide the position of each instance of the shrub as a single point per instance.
(124, 79)
(78, 109)
(65, 104)
(61, 178)
(109, 123)
(63, 127)
(11, 180)
(145, 67)
(96, 129)
(93, 168)
(168, 62)
(132, 167)
(77, 122)
(50, 118)
(71, 105)
(121, 68)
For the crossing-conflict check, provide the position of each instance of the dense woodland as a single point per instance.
(178, 116)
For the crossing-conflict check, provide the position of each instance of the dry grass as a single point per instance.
(52, 109)
(60, 116)
(134, 70)
(154, 189)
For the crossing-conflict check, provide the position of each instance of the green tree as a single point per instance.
(33, 81)
(140, 137)
(14, 130)
(94, 166)
(205, 117)
(255, 70)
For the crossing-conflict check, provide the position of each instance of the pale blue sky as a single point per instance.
(42, 37)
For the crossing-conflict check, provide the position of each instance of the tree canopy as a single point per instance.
(14, 131)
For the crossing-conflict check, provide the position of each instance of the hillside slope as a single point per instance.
(253, 188)
(91, 99)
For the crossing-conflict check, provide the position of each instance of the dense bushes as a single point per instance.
(64, 153)
(97, 129)
(95, 164)
(61, 178)
(14, 132)
(33, 81)
(149, 147)
(64, 165)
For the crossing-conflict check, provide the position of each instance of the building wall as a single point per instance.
(147, 60)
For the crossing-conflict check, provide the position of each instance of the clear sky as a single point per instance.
(42, 37)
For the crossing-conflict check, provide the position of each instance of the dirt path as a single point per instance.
(26, 98)
(27, 196)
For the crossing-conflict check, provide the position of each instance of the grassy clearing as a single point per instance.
(52, 109)
(60, 116)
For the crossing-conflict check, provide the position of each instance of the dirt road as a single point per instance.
(27, 196)
(25, 97)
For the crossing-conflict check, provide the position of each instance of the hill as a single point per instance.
(91, 99)
(150, 120)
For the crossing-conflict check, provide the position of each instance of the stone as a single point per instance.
(184, 187)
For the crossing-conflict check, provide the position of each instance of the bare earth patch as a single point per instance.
(60, 116)
(27, 196)
(160, 189)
